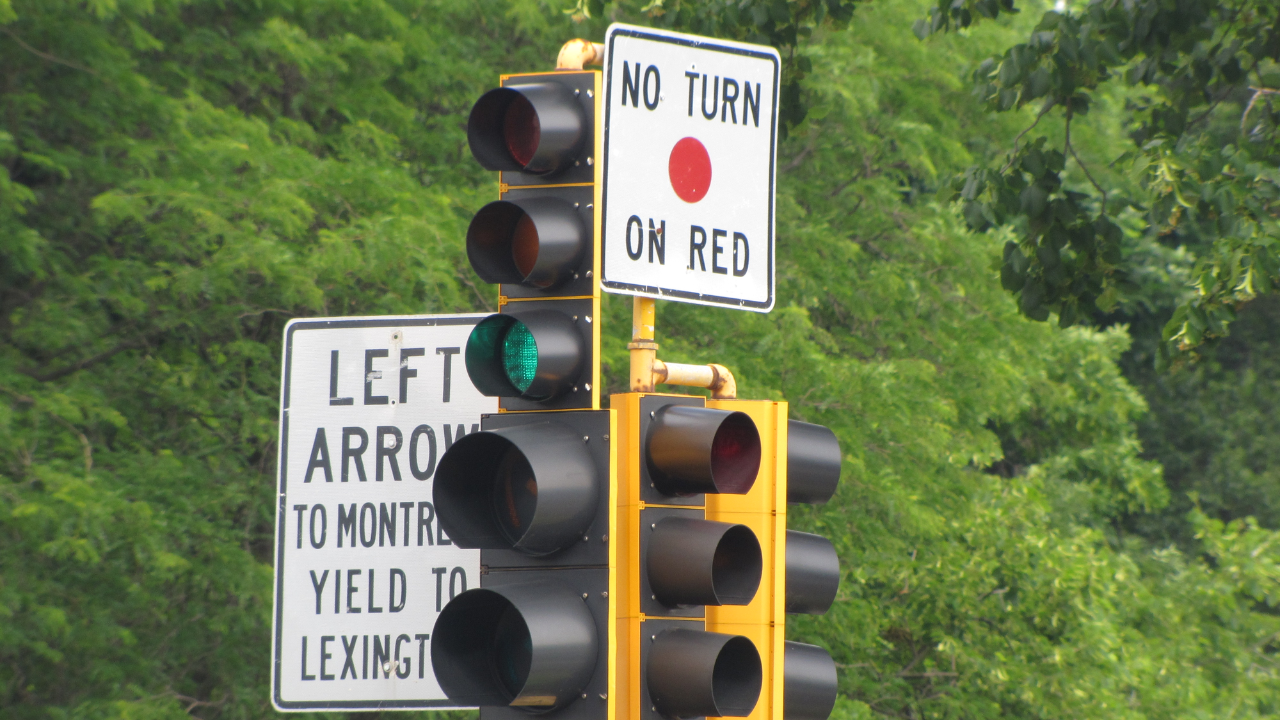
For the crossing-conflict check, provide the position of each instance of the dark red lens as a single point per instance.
(521, 129)
(735, 455)
(524, 245)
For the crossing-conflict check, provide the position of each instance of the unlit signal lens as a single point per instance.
(531, 646)
(529, 488)
(536, 128)
(702, 450)
(692, 673)
(538, 242)
(515, 497)
(735, 454)
(521, 130)
(524, 246)
(701, 562)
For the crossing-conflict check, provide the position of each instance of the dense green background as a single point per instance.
(182, 177)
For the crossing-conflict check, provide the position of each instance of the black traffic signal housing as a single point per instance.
(533, 490)
(812, 571)
(538, 241)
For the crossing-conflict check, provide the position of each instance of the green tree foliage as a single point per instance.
(181, 177)
(1199, 111)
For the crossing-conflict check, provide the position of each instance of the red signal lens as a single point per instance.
(521, 130)
(735, 455)
(524, 245)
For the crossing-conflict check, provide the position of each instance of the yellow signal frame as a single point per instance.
(598, 196)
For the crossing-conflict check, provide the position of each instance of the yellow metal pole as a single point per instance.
(644, 350)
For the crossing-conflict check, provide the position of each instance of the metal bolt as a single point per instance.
(576, 93)
(653, 526)
(589, 163)
(604, 594)
(588, 272)
(606, 437)
(604, 538)
(584, 595)
(653, 415)
(585, 538)
(653, 597)
(588, 318)
(584, 696)
(586, 438)
(604, 696)
(591, 93)
(587, 386)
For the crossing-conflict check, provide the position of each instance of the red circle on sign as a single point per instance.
(690, 170)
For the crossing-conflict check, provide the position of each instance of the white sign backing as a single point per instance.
(690, 135)
(368, 406)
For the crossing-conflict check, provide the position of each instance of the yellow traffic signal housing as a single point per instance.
(763, 509)
(678, 563)
(758, 570)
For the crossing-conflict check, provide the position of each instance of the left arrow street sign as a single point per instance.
(367, 408)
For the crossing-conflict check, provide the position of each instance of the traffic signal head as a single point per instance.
(533, 488)
(536, 354)
(531, 646)
(692, 673)
(813, 463)
(693, 450)
(539, 242)
(537, 128)
(531, 491)
(701, 562)
(812, 571)
(809, 682)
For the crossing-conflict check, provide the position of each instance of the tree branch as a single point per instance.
(1043, 111)
(46, 56)
(85, 446)
(1071, 149)
(82, 364)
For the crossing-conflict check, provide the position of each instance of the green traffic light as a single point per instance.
(534, 355)
(520, 356)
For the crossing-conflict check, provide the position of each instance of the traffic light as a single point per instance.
(537, 242)
(533, 488)
(532, 492)
(676, 563)
(812, 571)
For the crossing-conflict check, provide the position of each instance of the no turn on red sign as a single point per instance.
(690, 135)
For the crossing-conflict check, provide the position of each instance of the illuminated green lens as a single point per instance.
(520, 356)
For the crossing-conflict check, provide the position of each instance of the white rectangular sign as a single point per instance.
(368, 406)
(690, 134)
